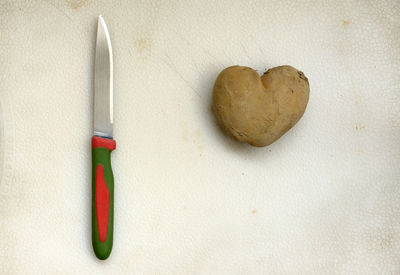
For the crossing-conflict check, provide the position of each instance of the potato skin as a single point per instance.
(259, 110)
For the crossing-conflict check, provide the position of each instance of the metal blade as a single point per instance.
(103, 83)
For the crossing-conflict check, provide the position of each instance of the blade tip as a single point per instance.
(101, 19)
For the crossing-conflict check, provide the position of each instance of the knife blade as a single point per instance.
(102, 146)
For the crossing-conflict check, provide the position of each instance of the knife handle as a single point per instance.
(102, 196)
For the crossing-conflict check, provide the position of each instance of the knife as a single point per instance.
(102, 145)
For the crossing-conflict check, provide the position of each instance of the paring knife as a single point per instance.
(102, 145)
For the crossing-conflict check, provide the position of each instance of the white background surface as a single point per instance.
(324, 199)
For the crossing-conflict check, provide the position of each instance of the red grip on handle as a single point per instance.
(110, 144)
(102, 203)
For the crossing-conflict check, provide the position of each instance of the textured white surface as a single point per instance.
(324, 199)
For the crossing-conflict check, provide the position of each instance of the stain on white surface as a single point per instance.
(324, 199)
(77, 4)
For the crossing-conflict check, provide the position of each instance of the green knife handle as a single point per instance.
(102, 196)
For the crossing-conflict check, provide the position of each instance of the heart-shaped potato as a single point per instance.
(259, 110)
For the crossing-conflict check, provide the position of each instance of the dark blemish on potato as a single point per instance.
(292, 91)
(302, 76)
(267, 72)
